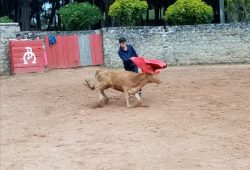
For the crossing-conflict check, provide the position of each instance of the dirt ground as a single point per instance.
(199, 118)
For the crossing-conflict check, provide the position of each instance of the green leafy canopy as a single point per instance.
(5, 19)
(79, 16)
(189, 12)
(128, 12)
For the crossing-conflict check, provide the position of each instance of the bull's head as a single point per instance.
(153, 78)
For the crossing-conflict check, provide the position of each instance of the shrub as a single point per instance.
(189, 12)
(78, 16)
(238, 10)
(128, 12)
(5, 19)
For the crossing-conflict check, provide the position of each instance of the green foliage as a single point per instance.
(128, 12)
(189, 12)
(5, 19)
(79, 16)
(237, 10)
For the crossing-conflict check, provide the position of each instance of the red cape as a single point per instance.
(149, 66)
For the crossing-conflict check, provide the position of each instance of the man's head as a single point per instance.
(37, 37)
(18, 37)
(123, 42)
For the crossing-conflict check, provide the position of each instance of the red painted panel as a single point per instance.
(18, 62)
(29, 70)
(26, 56)
(96, 49)
(65, 53)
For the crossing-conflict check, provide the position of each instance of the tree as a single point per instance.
(128, 12)
(78, 16)
(222, 13)
(4, 6)
(36, 9)
(238, 10)
(106, 5)
(216, 8)
(189, 12)
(25, 14)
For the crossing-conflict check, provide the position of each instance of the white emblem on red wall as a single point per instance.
(29, 56)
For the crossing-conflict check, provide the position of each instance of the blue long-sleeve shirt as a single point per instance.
(126, 55)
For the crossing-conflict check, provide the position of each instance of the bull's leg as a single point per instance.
(103, 99)
(106, 99)
(127, 100)
(138, 98)
(135, 89)
(138, 87)
(139, 103)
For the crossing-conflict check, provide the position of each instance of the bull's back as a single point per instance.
(114, 78)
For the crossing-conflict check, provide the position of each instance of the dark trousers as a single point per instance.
(133, 69)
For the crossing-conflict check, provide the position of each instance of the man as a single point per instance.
(44, 51)
(18, 37)
(126, 52)
(37, 37)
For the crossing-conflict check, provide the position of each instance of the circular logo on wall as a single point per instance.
(29, 56)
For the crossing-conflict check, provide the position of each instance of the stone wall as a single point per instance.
(7, 31)
(41, 34)
(183, 45)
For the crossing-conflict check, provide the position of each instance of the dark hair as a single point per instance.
(122, 40)
(18, 35)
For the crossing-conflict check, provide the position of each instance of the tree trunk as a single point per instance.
(1, 8)
(19, 12)
(25, 17)
(38, 21)
(58, 21)
(4, 7)
(102, 7)
(66, 2)
(244, 12)
(108, 19)
(222, 12)
(160, 13)
(147, 16)
(53, 11)
(157, 15)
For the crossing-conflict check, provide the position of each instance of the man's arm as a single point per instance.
(122, 56)
(125, 60)
(134, 52)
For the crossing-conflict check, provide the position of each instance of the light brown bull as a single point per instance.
(125, 81)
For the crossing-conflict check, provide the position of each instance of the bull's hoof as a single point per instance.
(106, 101)
(144, 105)
(86, 82)
(139, 104)
(97, 106)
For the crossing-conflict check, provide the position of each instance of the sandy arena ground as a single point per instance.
(199, 118)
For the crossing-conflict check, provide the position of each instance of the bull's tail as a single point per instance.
(92, 86)
(89, 85)
(97, 72)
